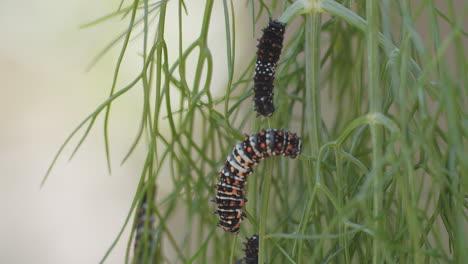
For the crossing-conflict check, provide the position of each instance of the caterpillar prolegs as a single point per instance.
(230, 195)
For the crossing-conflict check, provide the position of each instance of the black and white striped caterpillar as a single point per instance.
(238, 167)
(268, 54)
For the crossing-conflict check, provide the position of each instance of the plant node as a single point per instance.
(312, 6)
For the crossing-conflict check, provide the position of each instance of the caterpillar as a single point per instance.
(268, 54)
(140, 229)
(239, 166)
(250, 250)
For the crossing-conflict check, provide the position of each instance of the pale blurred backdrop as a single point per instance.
(45, 93)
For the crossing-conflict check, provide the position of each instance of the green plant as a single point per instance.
(383, 177)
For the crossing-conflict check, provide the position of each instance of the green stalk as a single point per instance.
(233, 248)
(264, 217)
(343, 240)
(312, 84)
(406, 147)
(375, 95)
(312, 97)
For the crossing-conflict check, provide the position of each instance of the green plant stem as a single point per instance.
(312, 84)
(343, 240)
(375, 96)
(312, 90)
(230, 51)
(264, 216)
(410, 192)
(233, 248)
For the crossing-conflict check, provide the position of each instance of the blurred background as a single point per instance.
(46, 92)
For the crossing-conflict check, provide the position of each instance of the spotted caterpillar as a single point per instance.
(268, 54)
(251, 251)
(239, 166)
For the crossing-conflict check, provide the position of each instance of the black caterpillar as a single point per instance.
(140, 228)
(268, 54)
(238, 167)
(251, 251)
